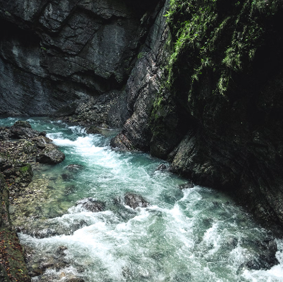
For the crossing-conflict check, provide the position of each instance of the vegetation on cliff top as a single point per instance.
(214, 45)
(221, 36)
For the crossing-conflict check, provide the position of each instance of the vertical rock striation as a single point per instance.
(143, 86)
(54, 54)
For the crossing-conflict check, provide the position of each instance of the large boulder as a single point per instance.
(22, 130)
(22, 123)
(50, 155)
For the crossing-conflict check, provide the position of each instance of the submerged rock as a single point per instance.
(135, 201)
(265, 258)
(189, 184)
(74, 167)
(50, 155)
(94, 130)
(71, 171)
(91, 204)
(66, 176)
(162, 167)
(61, 251)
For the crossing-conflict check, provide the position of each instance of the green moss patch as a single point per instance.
(216, 36)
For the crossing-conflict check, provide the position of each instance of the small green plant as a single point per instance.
(141, 55)
(23, 169)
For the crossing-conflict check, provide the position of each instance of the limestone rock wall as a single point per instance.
(54, 54)
(143, 86)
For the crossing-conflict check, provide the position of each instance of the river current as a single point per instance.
(195, 234)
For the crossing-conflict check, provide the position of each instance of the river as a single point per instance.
(195, 234)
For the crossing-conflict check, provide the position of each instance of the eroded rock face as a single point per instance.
(142, 87)
(54, 54)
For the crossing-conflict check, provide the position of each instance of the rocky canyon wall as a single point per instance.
(216, 108)
(201, 87)
(54, 54)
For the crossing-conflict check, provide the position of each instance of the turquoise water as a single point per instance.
(194, 234)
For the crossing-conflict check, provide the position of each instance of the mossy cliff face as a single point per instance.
(223, 88)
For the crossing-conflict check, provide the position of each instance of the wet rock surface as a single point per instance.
(265, 258)
(57, 261)
(17, 162)
(187, 185)
(135, 201)
(142, 86)
(91, 204)
(162, 167)
(50, 155)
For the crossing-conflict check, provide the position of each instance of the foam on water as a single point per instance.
(193, 235)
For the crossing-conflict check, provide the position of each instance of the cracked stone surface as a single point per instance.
(56, 54)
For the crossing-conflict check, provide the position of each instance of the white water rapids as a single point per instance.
(195, 234)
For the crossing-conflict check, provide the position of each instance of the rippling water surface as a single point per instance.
(194, 234)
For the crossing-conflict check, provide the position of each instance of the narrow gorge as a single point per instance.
(180, 94)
